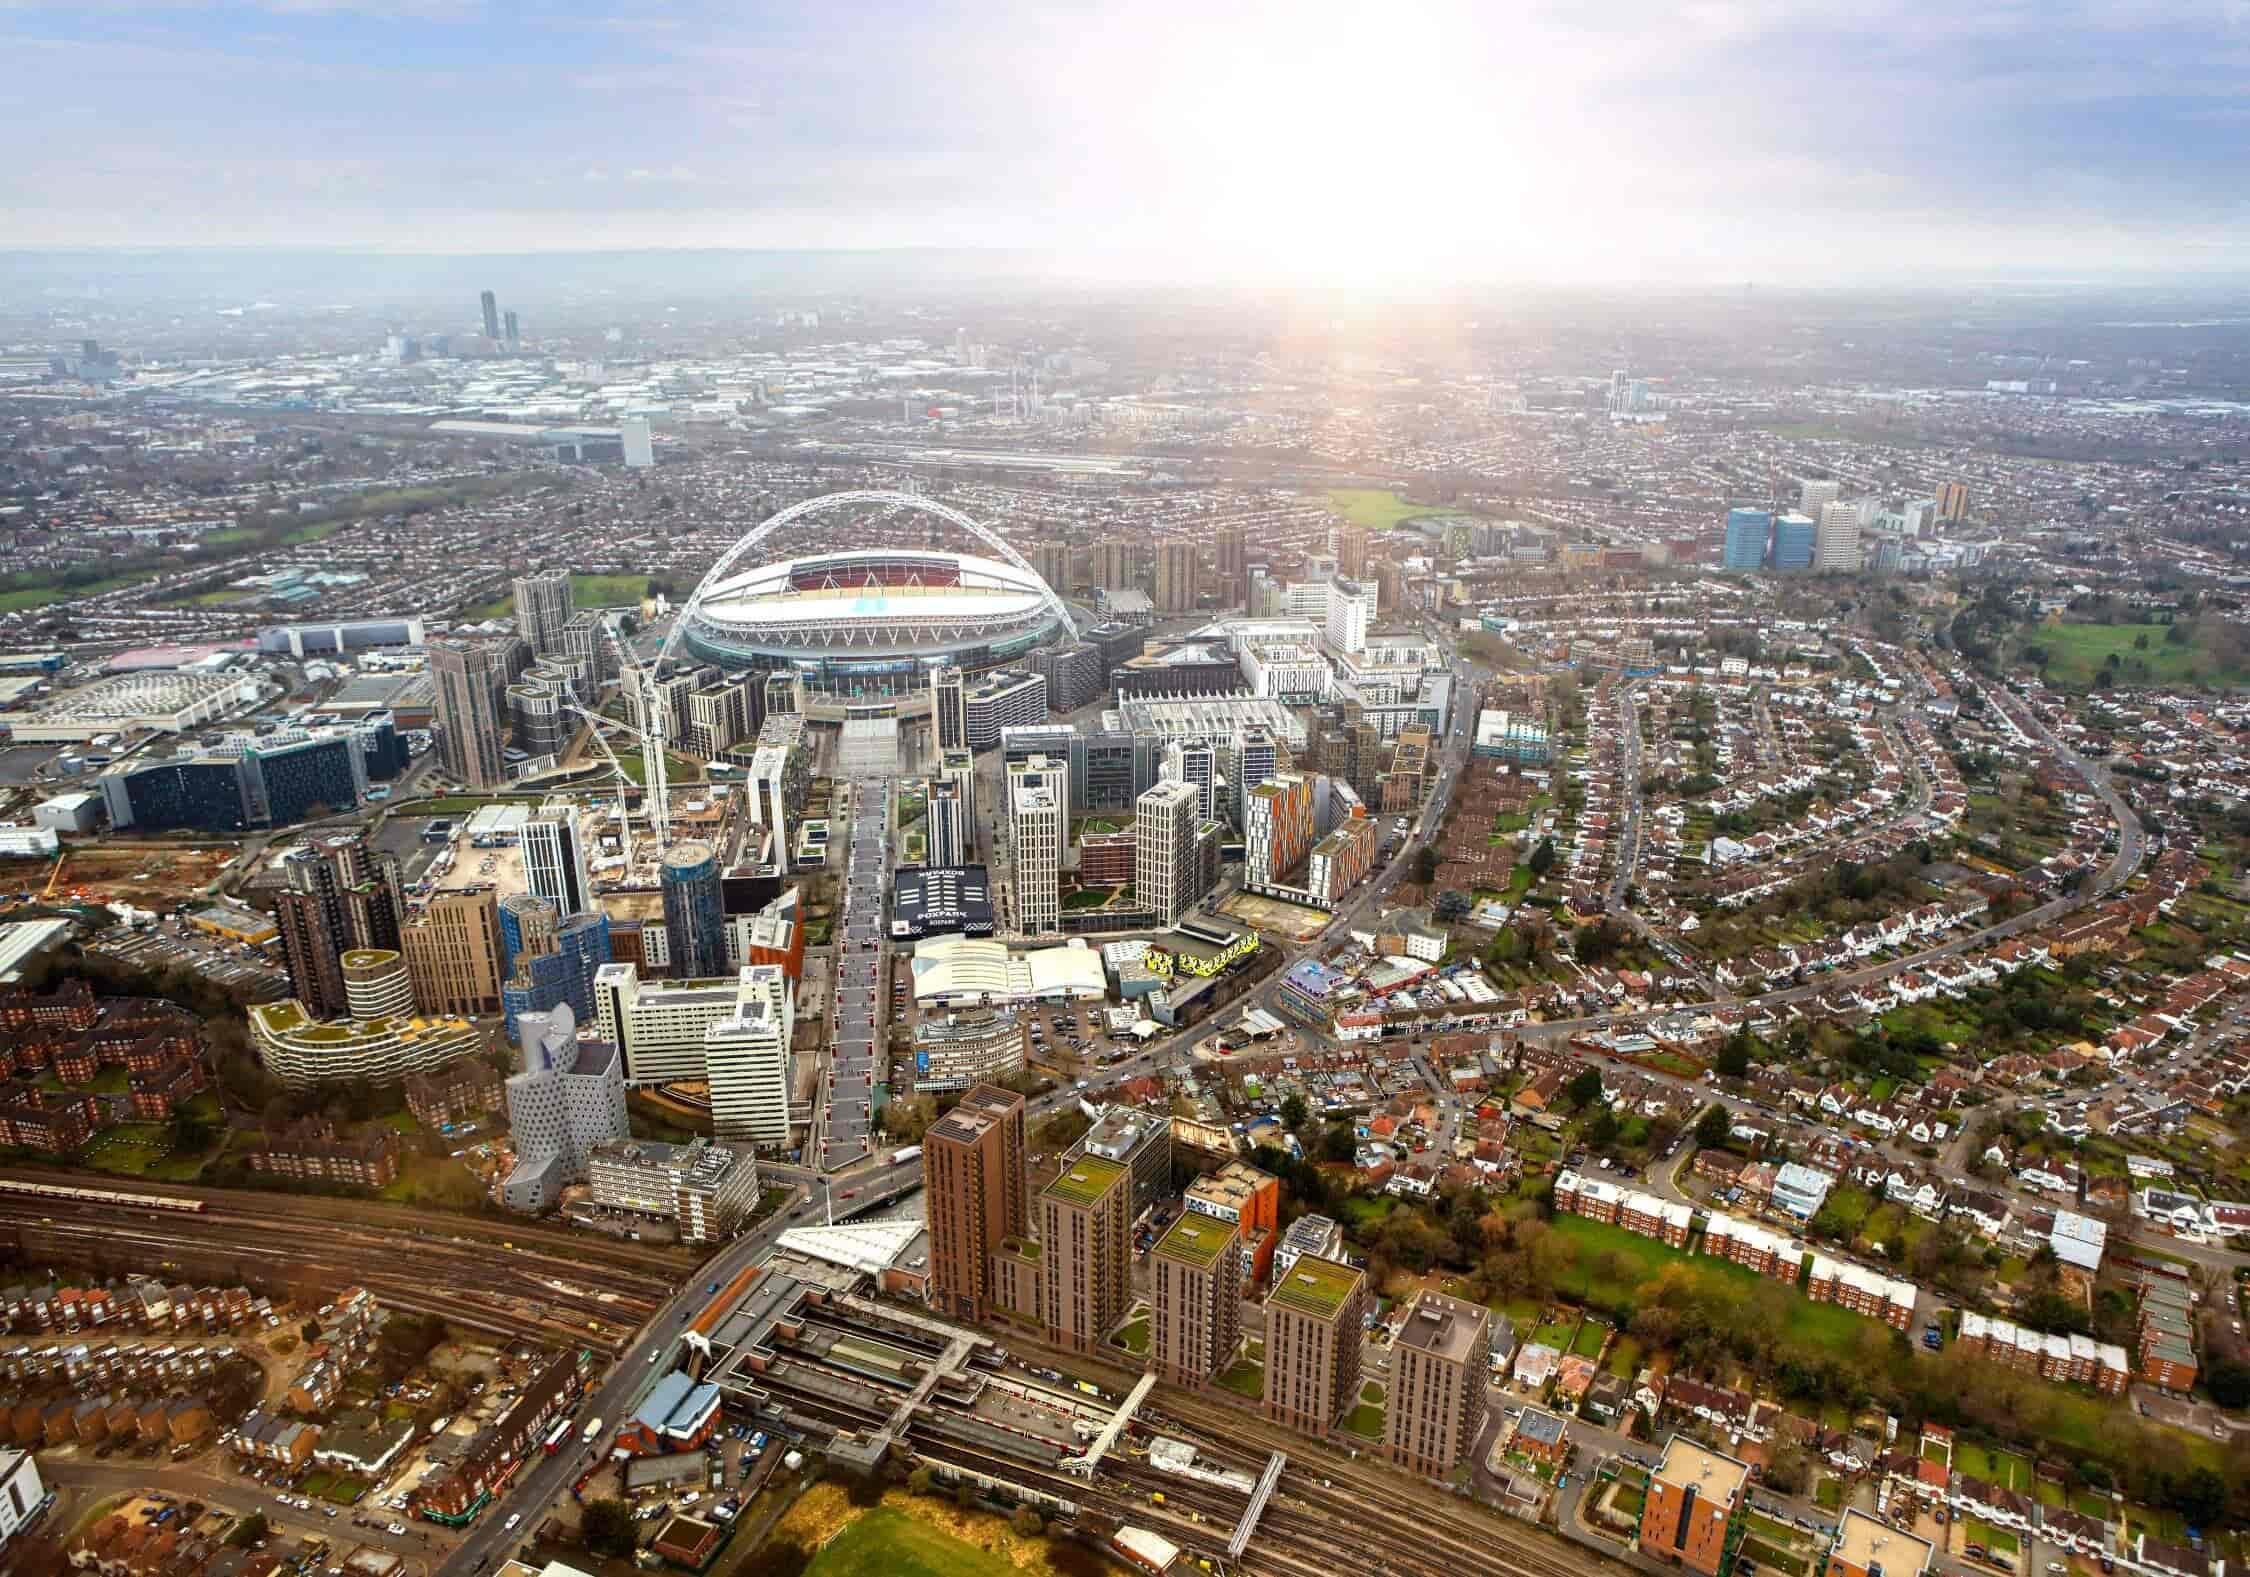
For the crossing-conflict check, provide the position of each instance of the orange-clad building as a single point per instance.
(1249, 1200)
(1692, 1498)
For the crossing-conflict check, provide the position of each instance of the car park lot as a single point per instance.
(170, 945)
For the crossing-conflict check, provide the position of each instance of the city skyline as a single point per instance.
(1157, 141)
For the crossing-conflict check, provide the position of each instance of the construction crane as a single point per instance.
(625, 783)
(655, 720)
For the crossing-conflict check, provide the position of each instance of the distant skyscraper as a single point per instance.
(640, 447)
(1175, 576)
(1747, 532)
(1114, 562)
(695, 927)
(554, 861)
(491, 315)
(512, 334)
(949, 710)
(542, 609)
(1812, 496)
(1052, 560)
(1164, 849)
(1038, 805)
(973, 1180)
(1836, 544)
(470, 676)
(1234, 565)
(1952, 500)
(1351, 551)
(1793, 542)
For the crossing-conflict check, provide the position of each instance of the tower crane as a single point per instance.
(625, 783)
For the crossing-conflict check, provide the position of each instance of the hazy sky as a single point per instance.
(1300, 141)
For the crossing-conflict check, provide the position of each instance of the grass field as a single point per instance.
(1591, 1335)
(1376, 507)
(39, 596)
(1823, 1324)
(888, 1543)
(586, 591)
(1365, 1422)
(2076, 652)
(1134, 1337)
(2000, 1467)
(1246, 1376)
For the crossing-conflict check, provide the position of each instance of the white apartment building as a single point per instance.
(659, 1024)
(1836, 542)
(746, 1058)
(1196, 762)
(1164, 849)
(1038, 805)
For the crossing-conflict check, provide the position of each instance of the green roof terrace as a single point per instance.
(1317, 1287)
(1196, 1239)
(1088, 1179)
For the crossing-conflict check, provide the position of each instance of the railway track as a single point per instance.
(517, 1295)
(1413, 1524)
(577, 1248)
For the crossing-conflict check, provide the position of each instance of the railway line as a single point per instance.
(1407, 1523)
(525, 1294)
(561, 1243)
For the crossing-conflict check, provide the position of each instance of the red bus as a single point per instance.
(556, 1436)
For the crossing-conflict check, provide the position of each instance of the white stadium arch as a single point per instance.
(719, 572)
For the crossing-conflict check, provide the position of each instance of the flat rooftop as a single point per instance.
(1318, 1287)
(1446, 1328)
(1197, 1240)
(1864, 1543)
(1713, 1475)
(1088, 1179)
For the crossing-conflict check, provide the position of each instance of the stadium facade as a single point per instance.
(873, 621)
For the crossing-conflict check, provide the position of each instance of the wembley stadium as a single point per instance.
(872, 621)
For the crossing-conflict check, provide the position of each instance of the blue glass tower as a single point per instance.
(1793, 542)
(540, 982)
(1747, 533)
(694, 914)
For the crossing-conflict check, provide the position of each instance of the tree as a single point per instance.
(1026, 1523)
(1542, 858)
(1714, 1127)
(1294, 1112)
(919, 1481)
(1586, 1088)
(2229, 1383)
(1733, 1061)
(1426, 861)
(1601, 1132)
(2201, 1496)
(607, 1527)
(248, 1531)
